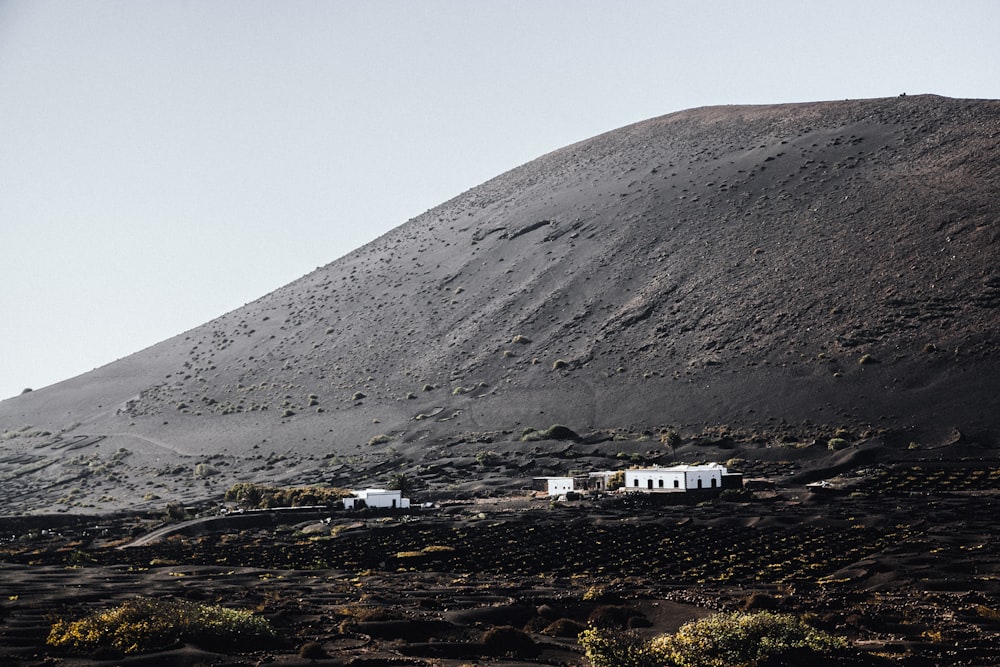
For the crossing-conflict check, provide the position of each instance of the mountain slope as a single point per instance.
(809, 264)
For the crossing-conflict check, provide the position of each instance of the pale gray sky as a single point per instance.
(163, 162)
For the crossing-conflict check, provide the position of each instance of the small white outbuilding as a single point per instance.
(380, 498)
(557, 486)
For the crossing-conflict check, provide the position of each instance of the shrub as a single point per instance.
(313, 651)
(257, 496)
(564, 627)
(606, 648)
(616, 481)
(836, 444)
(509, 641)
(735, 639)
(438, 549)
(554, 432)
(176, 512)
(740, 639)
(143, 624)
(488, 458)
(609, 616)
(670, 438)
(203, 470)
(758, 601)
(988, 612)
(355, 613)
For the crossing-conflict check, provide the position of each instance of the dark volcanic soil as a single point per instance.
(903, 561)
(807, 292)
(826, 265)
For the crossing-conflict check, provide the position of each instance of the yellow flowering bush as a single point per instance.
(144, 624)
(743, 638)
(737, 639)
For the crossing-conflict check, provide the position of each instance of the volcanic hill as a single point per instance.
(777, 271)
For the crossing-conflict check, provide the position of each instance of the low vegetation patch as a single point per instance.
(441, 550)
(260, 496)
(554, 432)
(736, 639)
(144, 624)
(508, 641)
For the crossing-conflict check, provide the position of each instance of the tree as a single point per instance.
(403, 483)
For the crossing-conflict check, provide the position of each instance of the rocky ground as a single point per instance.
(902, 559)
(806, 292)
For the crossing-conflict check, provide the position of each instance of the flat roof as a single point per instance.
(683, 467)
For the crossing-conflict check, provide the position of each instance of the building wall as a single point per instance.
(557, 486)
(709, 479)
(668, 480)
(654, 480)
(378, 498)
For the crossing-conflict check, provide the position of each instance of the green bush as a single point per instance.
(564, 627)
(403, 483)
(609, 648)
(736, 639)
(554, 432)
(144, 624)
(262, 496)
(505, 640)
(616, 481)
(610, 616)
(740, 638)
(203, 470)
(836, 444)
(488, 458)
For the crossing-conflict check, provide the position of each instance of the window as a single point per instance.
(677, 483)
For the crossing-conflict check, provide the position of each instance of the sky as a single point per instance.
(163, 162)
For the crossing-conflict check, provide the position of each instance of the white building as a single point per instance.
(557, 486)
(381, 498)
(680, 478)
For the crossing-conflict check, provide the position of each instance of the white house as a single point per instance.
(557, 486)
(680, 478)
(387, 498)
